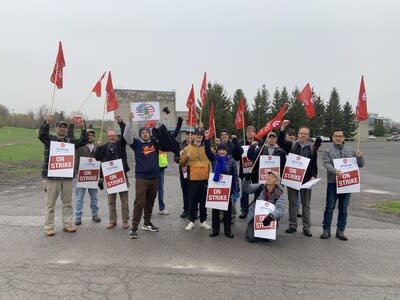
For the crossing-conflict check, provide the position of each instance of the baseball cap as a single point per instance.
(61, 124)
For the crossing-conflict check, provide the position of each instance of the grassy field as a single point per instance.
(20, 144)
(390, 207)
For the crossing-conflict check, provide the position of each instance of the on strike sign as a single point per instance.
(263, 209)
(218, 192)
(61, 160)
(88, 173)
(268, 163)
(246, 162)
(114, 176)
(349, 179)
(295, 168)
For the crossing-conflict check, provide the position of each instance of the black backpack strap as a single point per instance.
(256, 194)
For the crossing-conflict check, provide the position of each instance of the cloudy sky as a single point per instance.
(167, 45)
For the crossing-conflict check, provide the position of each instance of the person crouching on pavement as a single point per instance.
(222, 164)
(272, 192)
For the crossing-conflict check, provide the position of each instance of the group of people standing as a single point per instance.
(196, 160)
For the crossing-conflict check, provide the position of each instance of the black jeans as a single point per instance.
(197, 190)
(227, 219)
(185, 194)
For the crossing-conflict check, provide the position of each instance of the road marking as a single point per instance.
(64, 261)
(379, 192)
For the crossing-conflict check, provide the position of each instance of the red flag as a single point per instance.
(239, 119)
(112, 103)
(361, 110)
(203, 90)
(306, 98)
(191, 105)
(276, 122)
(57, 75)
(211, 122)
(97, 88)
(150, 124)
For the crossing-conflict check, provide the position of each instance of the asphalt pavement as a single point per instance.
(96, 263)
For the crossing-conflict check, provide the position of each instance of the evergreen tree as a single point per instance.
(276, 102)
(236, 99)
(349, 121)
(296, 113)
(259, 115)
(334, 114)
(317, 123)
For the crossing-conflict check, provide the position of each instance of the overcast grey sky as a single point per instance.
(166, 45)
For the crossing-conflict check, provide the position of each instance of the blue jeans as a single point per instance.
(160, 188)
(244, 203)
(79, 195)
(331, 198)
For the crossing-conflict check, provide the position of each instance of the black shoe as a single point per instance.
(184, 215)
(340, 235)
(213, 234)
(229, 235)
(96, 219)
(326, 234)
(291, 230)
(150, 227)
(133, 234)
(243, 216)
(307, 232)
(78, 222)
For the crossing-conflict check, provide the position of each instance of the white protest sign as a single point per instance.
(247, 164)
(264, 208)
(349, 179)
(295, 168)
(114, 176)
(61, 160)
(218, 192)
(268, 163)
(144, 111)
(88, 173)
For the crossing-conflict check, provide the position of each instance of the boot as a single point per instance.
(340, 235)
(326, 234)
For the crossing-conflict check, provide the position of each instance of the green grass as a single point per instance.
(390, 206)
(17, 135)
(24, 151)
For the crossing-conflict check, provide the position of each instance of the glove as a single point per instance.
(267, 220)
(101, 184)
(317, 143)
(235, 196)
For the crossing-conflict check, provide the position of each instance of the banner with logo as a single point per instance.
(247, 164)
(349, 180)
(295, 168)
(61, 160)
(114, 176)
(218, 192)
(263, 209)
(144, 111)
(88, 173)
(268, 163)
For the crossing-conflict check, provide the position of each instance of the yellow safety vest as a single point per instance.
(162, 159)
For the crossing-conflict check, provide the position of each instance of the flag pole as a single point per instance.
(359, 136)
(244, 135)
(102, 121)
(84, 101)
(54, 89)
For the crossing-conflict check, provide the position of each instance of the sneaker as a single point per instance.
(70, 229)
(150, 227)
(326, 234)
(291, 230)
(133, 234)
(243, 215)
(205, 225)
(307, 232)
(229, 235)
(184, 215)
(214, 234)
(96, 219)
(189, 226)
(340, 235)
(164, 212)
(78, 221)
(49, 232)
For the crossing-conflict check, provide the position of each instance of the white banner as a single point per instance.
(218, 192)
(61, 160)
(295, 168)
(247, 164)
(268, 163)
(144, 111)
(88, 173)
(114, 176)
(349, 179)
(263, 209)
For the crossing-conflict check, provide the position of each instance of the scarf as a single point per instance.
(220, 166)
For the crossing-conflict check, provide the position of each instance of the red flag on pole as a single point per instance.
(97, 88)
(239, 118)
(150, 124)
(273, 123)
(203, 90)
(211, 122)
(191, 105)
(112, 103)
(57, 75)
(306, 98)
(361, 110)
